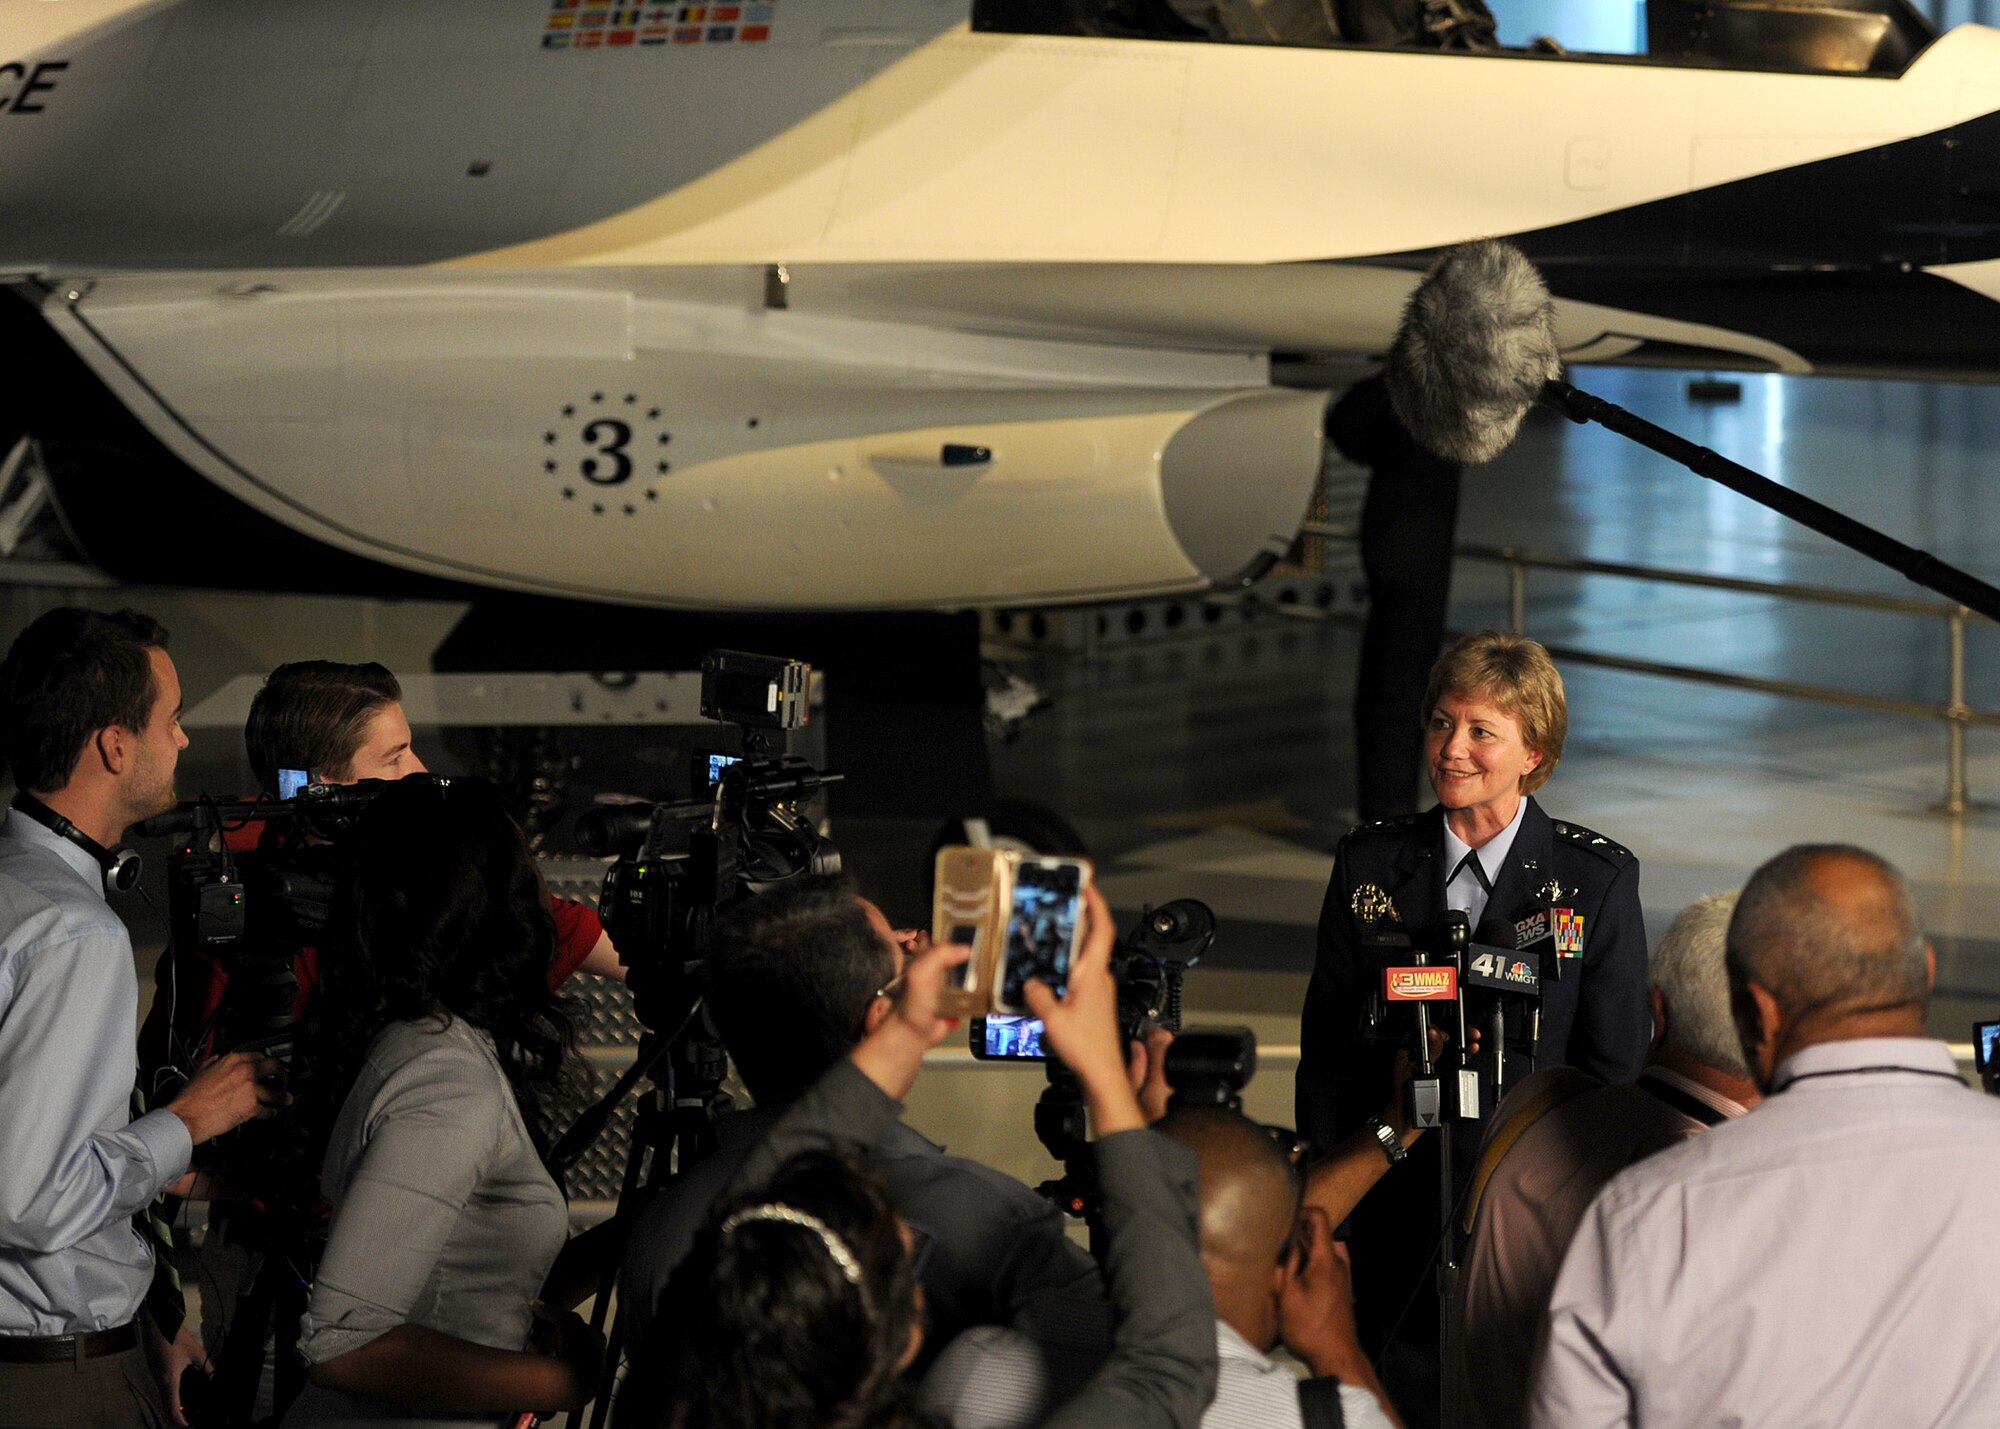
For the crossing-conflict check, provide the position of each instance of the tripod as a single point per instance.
(675, 1126)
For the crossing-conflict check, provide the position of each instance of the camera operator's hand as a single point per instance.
(170, 1361)
(228, 1092)
(567, 1336)
(1396, 1111)
(1148, 1072)
(1081, 1026)
(890, 1055)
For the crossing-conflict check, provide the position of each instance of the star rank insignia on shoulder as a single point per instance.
(1384, 826)
(1607, 849)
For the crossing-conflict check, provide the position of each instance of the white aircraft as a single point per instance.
(842, 304)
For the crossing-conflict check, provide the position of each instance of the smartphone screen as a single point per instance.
(1041, 930)
(290, 781)
(708, 767)
(1985, 1045)
(1006, 1036)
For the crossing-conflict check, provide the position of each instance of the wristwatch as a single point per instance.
(1392, 1144)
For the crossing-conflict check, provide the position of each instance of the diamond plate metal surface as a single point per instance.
(607, 1039)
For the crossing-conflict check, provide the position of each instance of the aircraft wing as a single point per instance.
(819, 305)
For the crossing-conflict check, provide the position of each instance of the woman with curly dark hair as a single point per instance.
(434, 1042)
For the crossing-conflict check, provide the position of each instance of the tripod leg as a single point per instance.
(645, 1135)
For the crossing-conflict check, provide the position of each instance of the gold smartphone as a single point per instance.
(974, 891)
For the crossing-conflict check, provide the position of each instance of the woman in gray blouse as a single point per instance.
(437, 1038)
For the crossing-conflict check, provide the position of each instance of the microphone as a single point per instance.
(209, 815)
(1477, 348)
(1476, 345)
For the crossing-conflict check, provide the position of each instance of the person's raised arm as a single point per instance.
(891, 1055)
(1162, 1367)
(1081, 1026)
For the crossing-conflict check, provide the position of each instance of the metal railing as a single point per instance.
(1954, 713)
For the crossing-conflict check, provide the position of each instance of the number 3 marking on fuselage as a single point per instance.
(610, 438)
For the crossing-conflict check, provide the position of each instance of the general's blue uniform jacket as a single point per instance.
(1579, 887)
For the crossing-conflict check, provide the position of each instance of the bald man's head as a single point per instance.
(1827, 926)
(1249, 1211)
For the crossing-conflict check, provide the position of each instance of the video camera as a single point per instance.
(254, 909)
(743, 829)
(1148, 965)
(1491, 980)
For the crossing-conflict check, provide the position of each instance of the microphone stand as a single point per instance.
(1919, 566)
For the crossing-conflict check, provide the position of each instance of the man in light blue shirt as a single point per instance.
(1828, 1258)
(90, 718)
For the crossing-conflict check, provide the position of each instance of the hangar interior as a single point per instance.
(1210, 757)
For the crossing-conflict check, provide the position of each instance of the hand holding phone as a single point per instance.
(1044, 927)
(1081, 1025)
(891, 1055)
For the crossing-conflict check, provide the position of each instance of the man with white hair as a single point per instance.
(1562, 1134)
(1828, 1259)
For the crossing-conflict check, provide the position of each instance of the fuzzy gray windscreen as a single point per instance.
(1477, 341)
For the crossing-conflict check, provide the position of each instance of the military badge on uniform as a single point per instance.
(1371, 905)
(1553, 892)
(1569, 932)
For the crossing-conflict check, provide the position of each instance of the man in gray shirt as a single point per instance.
(797, 977)
(90, 715)
(1827, 1258)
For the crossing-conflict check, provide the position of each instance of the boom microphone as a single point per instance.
(1477, 348)
(1476, 345)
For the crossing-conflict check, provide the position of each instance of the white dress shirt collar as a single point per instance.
(1707, 1096)
(1465, 890)
(1858, 1057)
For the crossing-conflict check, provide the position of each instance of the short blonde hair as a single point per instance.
(1516, 674)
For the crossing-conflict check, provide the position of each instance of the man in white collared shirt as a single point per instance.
(1829, 1258)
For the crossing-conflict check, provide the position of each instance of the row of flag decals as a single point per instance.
(606, 24)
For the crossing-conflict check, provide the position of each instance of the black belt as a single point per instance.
(47, 1349)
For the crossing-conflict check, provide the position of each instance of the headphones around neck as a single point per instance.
(122, 865)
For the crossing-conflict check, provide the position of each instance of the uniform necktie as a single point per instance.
(1478, 871)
